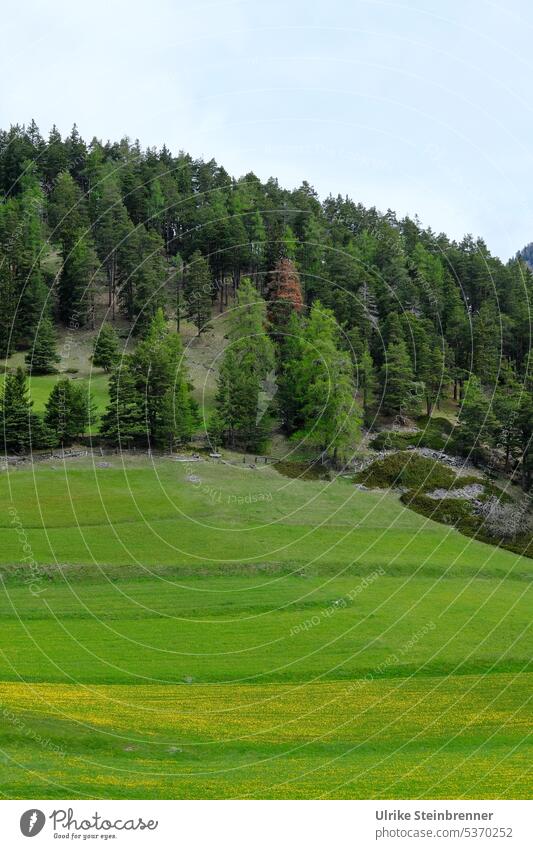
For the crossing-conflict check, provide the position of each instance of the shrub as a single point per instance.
(408, 470)
(434, 433)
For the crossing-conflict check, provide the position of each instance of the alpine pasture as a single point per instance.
(213, 629)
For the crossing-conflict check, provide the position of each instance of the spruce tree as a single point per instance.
(75, 283)
(434, 375)
(248, 360)
(21, 430)
(289, 355)
(368, 384)
(237, 421)
(123, 422)
(330, 413)
(477, 424)
(42, 358)
(106, 348)
(397, 381)
(150, 397)
(197, 289)
(68, 411)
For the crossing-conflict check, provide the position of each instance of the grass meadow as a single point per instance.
(206, 629)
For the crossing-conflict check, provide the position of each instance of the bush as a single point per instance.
(408, 470)
(461, 514)
(434, 433)
(304, 471)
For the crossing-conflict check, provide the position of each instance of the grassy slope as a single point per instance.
(75, 350)
(407, 738)
(270, 671)
(134, 512)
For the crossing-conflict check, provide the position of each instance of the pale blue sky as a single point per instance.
(421, 106)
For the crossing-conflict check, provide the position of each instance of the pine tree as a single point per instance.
(21, 430)
(507, 405)
(42, 357)
(68, 411)
(149, 393)
(197, 289)
(398, 386)
(248, 360)
(106, 348)
(237, 421)
(289, 356)
(123, 422)
(331, 416)
(477, 424)
(67, 213)
(434, 375)
(75, 283)
(368, 384)
(285, 295)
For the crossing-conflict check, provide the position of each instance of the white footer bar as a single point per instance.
(268, 824)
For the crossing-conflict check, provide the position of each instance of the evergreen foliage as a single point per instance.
(431, 316)
(21, 430)
(68, 411)
(42, 357)
(106, 348)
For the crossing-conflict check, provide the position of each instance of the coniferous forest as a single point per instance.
(360, 319)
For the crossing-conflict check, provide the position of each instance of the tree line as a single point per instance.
(346, 302)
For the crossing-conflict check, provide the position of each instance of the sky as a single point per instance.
(422, 107)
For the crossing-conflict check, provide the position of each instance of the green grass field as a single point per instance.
(243, 634)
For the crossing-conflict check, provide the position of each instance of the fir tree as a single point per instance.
(21, 430)
(123, 422)
(477, 424)
(289, 356)
(434, 376)
(106, 348)
(68, 411)
(149, 393)
(368, 385)
(197, 289)
(249, 358)
(42, 358)
(398, 386)
(331, 416)
(75, 283)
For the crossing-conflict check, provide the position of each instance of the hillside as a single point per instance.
(266, 528)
